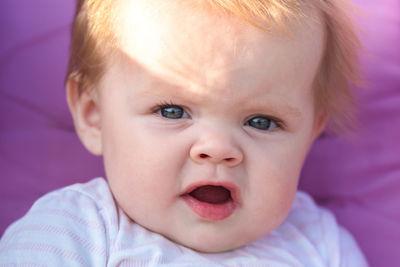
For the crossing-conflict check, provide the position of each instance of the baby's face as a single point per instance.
(206, 122)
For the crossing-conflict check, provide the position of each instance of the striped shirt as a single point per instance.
(81, 225)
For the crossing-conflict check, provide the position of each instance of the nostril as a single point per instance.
(203, 156)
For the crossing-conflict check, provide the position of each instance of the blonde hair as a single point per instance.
(93, 41)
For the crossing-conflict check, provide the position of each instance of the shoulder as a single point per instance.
(320, 234)
(70, 224)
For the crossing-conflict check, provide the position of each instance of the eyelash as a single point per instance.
(278, 123)
(158, 109)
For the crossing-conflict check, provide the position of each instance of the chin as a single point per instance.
(206, 248)
(213, 245)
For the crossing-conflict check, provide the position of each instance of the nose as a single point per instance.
(216, 148)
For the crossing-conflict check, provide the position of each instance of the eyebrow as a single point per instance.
(279, 109)
(160, 88)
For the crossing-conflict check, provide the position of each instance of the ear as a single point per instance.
(319, 124)
(85, 111)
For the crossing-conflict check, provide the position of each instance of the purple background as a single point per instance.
(357, 177)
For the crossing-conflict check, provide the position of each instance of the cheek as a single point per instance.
(278, 161)
(143, 165)
(132, 145)
(138, 180)
(271, 199)
(273, 181)
(274, 187)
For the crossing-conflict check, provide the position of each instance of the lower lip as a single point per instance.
(208, 211)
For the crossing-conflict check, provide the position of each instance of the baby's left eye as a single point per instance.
(262, 123)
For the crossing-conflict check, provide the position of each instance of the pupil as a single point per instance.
(172, 112)
(260, 123)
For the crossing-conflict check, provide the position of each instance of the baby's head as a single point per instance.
(204, 110)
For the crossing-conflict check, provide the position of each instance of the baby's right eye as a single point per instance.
(172, 112)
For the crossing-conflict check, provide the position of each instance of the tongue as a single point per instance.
(211, 194)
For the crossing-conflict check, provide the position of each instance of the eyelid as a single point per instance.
(164, 104)
(279, 123)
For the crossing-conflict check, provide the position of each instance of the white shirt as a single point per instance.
(81, 225)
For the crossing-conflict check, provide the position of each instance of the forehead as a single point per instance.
(182, 41)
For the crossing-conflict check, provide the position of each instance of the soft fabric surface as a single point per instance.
(357, 177)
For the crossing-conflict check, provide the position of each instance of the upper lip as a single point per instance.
(233, 189)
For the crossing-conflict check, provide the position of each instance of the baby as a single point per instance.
(204, 111)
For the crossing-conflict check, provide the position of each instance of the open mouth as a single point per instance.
(211, 194)
(211, 202)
